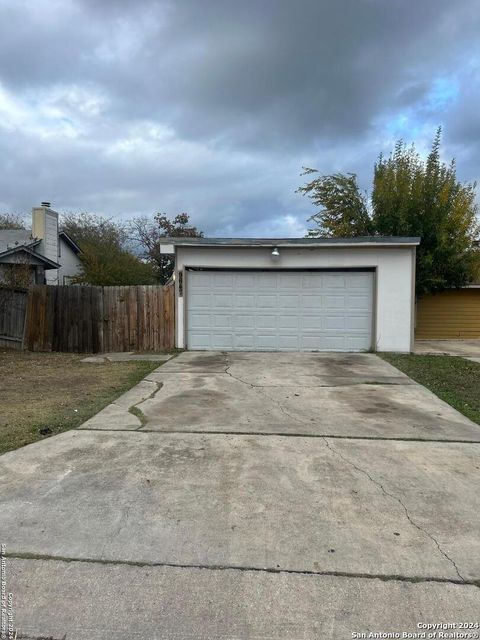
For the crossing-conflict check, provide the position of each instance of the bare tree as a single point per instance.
(9, 221)
(147, 235)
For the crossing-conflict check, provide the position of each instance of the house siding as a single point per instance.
(449, 315)
(71, 265)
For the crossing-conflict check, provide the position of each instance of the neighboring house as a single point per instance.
(450, 314)
(68, 257)
(294, 294)
(21, 263)
(43, 253)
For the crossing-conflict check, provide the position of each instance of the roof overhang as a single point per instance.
(168, 245)
(37, 257)
(70, 241)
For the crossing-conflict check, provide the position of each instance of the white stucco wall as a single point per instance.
(394, 297)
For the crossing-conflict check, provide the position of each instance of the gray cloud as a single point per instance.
(212, 107)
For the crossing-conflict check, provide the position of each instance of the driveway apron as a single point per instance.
(248, 495)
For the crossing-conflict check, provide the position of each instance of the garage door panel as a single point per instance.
(335, 302)
(359, 281)
(334, 281)
(359, 343)
(334, 342)
(244, 322)
(201, 321)
(220, 321)
(288, 301)
(267, 281)
(244, 341)
(200, 301)
(222, 279)
(266, 322)
(245, 301)
(334, 323)
(266, 302)
(312, 301)
(289, 281)
(266, 341)
(360, 302)
(199, 340)
(312, 342)
(245, 281)
(359, 323)
(313, 281)
(222, 301)
(289, 341)
(288, 322)
(221, 341)
(286, 311)
(200, 279)
(309, 323)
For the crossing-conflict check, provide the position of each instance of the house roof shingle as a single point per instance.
(11, 238)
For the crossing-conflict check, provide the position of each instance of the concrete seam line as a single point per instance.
(380, 383)
(407, 382)
(399, 500)
(137, 412)
(279, 434)
(224, 567)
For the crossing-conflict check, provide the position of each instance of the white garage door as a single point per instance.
(279, 310)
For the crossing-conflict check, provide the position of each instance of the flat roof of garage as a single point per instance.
(282, 242)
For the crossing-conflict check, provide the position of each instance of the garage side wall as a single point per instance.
(393, 300)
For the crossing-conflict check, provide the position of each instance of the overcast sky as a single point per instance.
(124, 107)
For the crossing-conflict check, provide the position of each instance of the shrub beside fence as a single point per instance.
(87, 319)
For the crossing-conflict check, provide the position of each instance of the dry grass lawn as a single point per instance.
(42, 394)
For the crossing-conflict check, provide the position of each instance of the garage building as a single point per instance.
(294, 294)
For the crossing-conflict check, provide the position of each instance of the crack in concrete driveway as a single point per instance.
(399, 500)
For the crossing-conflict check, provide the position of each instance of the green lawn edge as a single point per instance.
(453, 379)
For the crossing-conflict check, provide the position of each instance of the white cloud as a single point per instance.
(212, 108)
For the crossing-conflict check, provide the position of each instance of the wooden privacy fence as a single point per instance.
(12, 317)
(100, 319)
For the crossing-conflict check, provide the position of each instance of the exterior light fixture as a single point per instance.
(275, 252)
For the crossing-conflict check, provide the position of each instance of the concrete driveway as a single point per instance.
(249, 495)
(468, 349)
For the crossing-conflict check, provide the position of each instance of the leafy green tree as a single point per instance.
(147, 234)
(11, 221)
(410, 197)
(343, 211)
(416, 198)
(113, 266)
(106, 259)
